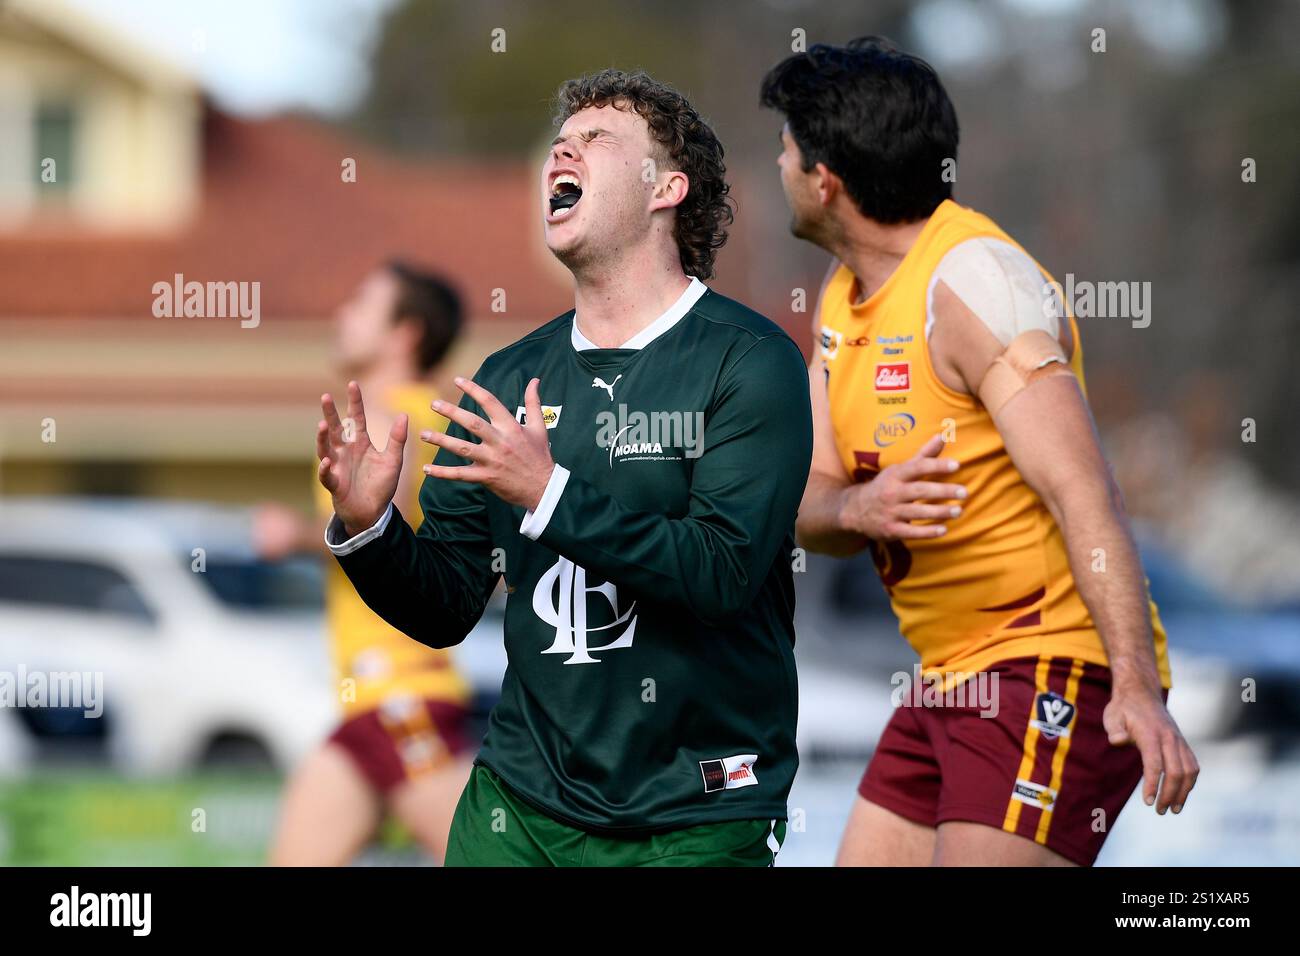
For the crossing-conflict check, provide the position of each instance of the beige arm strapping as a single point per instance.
(1030, 356)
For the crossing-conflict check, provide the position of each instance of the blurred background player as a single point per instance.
(400, 748)
(943, 357)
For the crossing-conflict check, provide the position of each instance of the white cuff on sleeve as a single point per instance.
(334, 531)
(535, 522)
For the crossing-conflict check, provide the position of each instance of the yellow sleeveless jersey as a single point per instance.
(998, 585)
(381, 660)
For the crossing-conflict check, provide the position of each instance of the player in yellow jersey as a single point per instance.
(953, 438)
(400, 748)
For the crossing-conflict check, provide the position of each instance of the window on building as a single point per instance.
(55, 140)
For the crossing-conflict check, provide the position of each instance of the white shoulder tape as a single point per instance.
(1001, 285)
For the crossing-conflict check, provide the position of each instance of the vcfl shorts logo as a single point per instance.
(1052, 715)
(560, 599)
(211, 300)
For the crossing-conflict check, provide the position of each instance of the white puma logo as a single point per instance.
(600, 383)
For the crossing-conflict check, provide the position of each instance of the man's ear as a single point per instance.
(670, 189)
(827, 184)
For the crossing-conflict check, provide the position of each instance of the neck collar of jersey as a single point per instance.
(658, 327)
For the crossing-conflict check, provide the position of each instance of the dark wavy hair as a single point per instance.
(877, 117)
(688, 145)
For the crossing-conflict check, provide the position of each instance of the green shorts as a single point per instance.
(493, 827)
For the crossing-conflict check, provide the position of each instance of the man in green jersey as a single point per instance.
(633, 467)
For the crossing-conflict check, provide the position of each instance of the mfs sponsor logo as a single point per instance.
(894, 377)
(893, 428)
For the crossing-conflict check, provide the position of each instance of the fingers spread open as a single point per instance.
(397, 437)
(472, 473)
(496, 412)
(356, 409)
(326, 477)
(476, 425)
(471, 451)
(334, 423)
(533, 404)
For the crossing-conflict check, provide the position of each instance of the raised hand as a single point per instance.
(512, 461)
(361, 478)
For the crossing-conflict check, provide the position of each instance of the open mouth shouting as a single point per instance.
(565, 193)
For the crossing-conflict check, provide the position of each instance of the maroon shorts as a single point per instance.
(1041, 768)
(403, 738)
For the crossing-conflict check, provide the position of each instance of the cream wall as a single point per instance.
(137, 140)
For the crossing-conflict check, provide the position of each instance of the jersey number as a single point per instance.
(892, 559)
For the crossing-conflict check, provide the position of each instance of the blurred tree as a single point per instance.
(441, 80)
(477, 78)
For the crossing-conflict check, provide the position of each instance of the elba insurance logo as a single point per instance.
(894, 377)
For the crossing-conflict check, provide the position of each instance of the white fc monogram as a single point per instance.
(560, 599)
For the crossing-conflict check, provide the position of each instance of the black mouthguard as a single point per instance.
(565, 200)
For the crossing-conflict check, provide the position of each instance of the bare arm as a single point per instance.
(819, 526)
(1050, 436)
(839, 515)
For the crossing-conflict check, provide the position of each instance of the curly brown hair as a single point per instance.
(688, 145)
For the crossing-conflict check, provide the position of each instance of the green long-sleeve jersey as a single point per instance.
(649, 633)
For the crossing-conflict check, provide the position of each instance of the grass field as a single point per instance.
(1243, 812)
(93, 818)
(80, 818)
